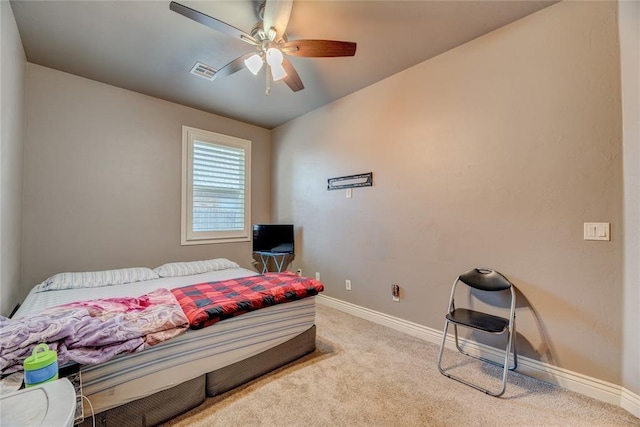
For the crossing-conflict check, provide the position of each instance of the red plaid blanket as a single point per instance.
(207, 303)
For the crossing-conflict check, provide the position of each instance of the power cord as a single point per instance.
(93, 417)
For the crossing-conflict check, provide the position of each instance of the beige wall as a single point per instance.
(629, 18)
(492, 154)
(102, 173)
(13, 128)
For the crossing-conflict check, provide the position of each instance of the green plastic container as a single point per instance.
(41, 366)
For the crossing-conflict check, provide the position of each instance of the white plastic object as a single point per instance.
(49, 404)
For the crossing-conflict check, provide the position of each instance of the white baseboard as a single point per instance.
(631, 402)
(589, 386)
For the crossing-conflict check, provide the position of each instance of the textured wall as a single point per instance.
(492, 154)
(102, 173)
(13, 128)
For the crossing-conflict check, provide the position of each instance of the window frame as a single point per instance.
(187, 235)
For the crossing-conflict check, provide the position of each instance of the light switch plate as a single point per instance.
(597, 231)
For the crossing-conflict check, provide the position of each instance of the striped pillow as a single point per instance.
(176, 269)
(95, 279)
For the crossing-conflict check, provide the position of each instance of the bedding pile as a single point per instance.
(208, 303)
(94, 331)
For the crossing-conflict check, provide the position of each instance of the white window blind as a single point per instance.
(216, 191)
(218, 187)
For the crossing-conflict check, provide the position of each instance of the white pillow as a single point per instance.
(94, 279)
(176, 269)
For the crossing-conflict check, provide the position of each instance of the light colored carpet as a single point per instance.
(364, 374)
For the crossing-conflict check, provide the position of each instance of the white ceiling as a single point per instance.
(145, 47)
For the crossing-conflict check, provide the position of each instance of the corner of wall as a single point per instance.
(629, 32)
(12, 90)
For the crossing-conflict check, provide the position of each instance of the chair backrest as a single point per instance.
(485, 279)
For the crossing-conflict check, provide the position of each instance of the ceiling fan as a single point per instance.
(270, 41)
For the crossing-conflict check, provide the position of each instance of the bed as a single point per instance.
(174, 376)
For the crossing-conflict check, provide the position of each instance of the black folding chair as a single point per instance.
(484, 280)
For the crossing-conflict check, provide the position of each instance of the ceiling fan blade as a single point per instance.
(210, 22)
(232, 67)
(319, 48)
(276, 15)
(292, 79)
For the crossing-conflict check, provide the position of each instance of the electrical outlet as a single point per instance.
(299, 272)
(317, 275)
(347, 284)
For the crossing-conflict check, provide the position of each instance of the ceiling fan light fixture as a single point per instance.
(274, 57)
(254, 63)
(278, 72)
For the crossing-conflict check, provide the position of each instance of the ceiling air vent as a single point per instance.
(203, 70)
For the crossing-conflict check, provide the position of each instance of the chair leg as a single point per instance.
(444, 340)
(455, 333)
(505, 365)
(515, 351)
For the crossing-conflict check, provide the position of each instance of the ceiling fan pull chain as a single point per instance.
(268, 74)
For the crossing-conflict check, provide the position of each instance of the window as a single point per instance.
(216, 190)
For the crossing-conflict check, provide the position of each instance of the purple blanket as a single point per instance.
(95, 331)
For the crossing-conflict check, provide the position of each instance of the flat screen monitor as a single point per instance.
(276, 238)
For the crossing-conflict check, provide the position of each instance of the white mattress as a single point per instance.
(134, 376)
